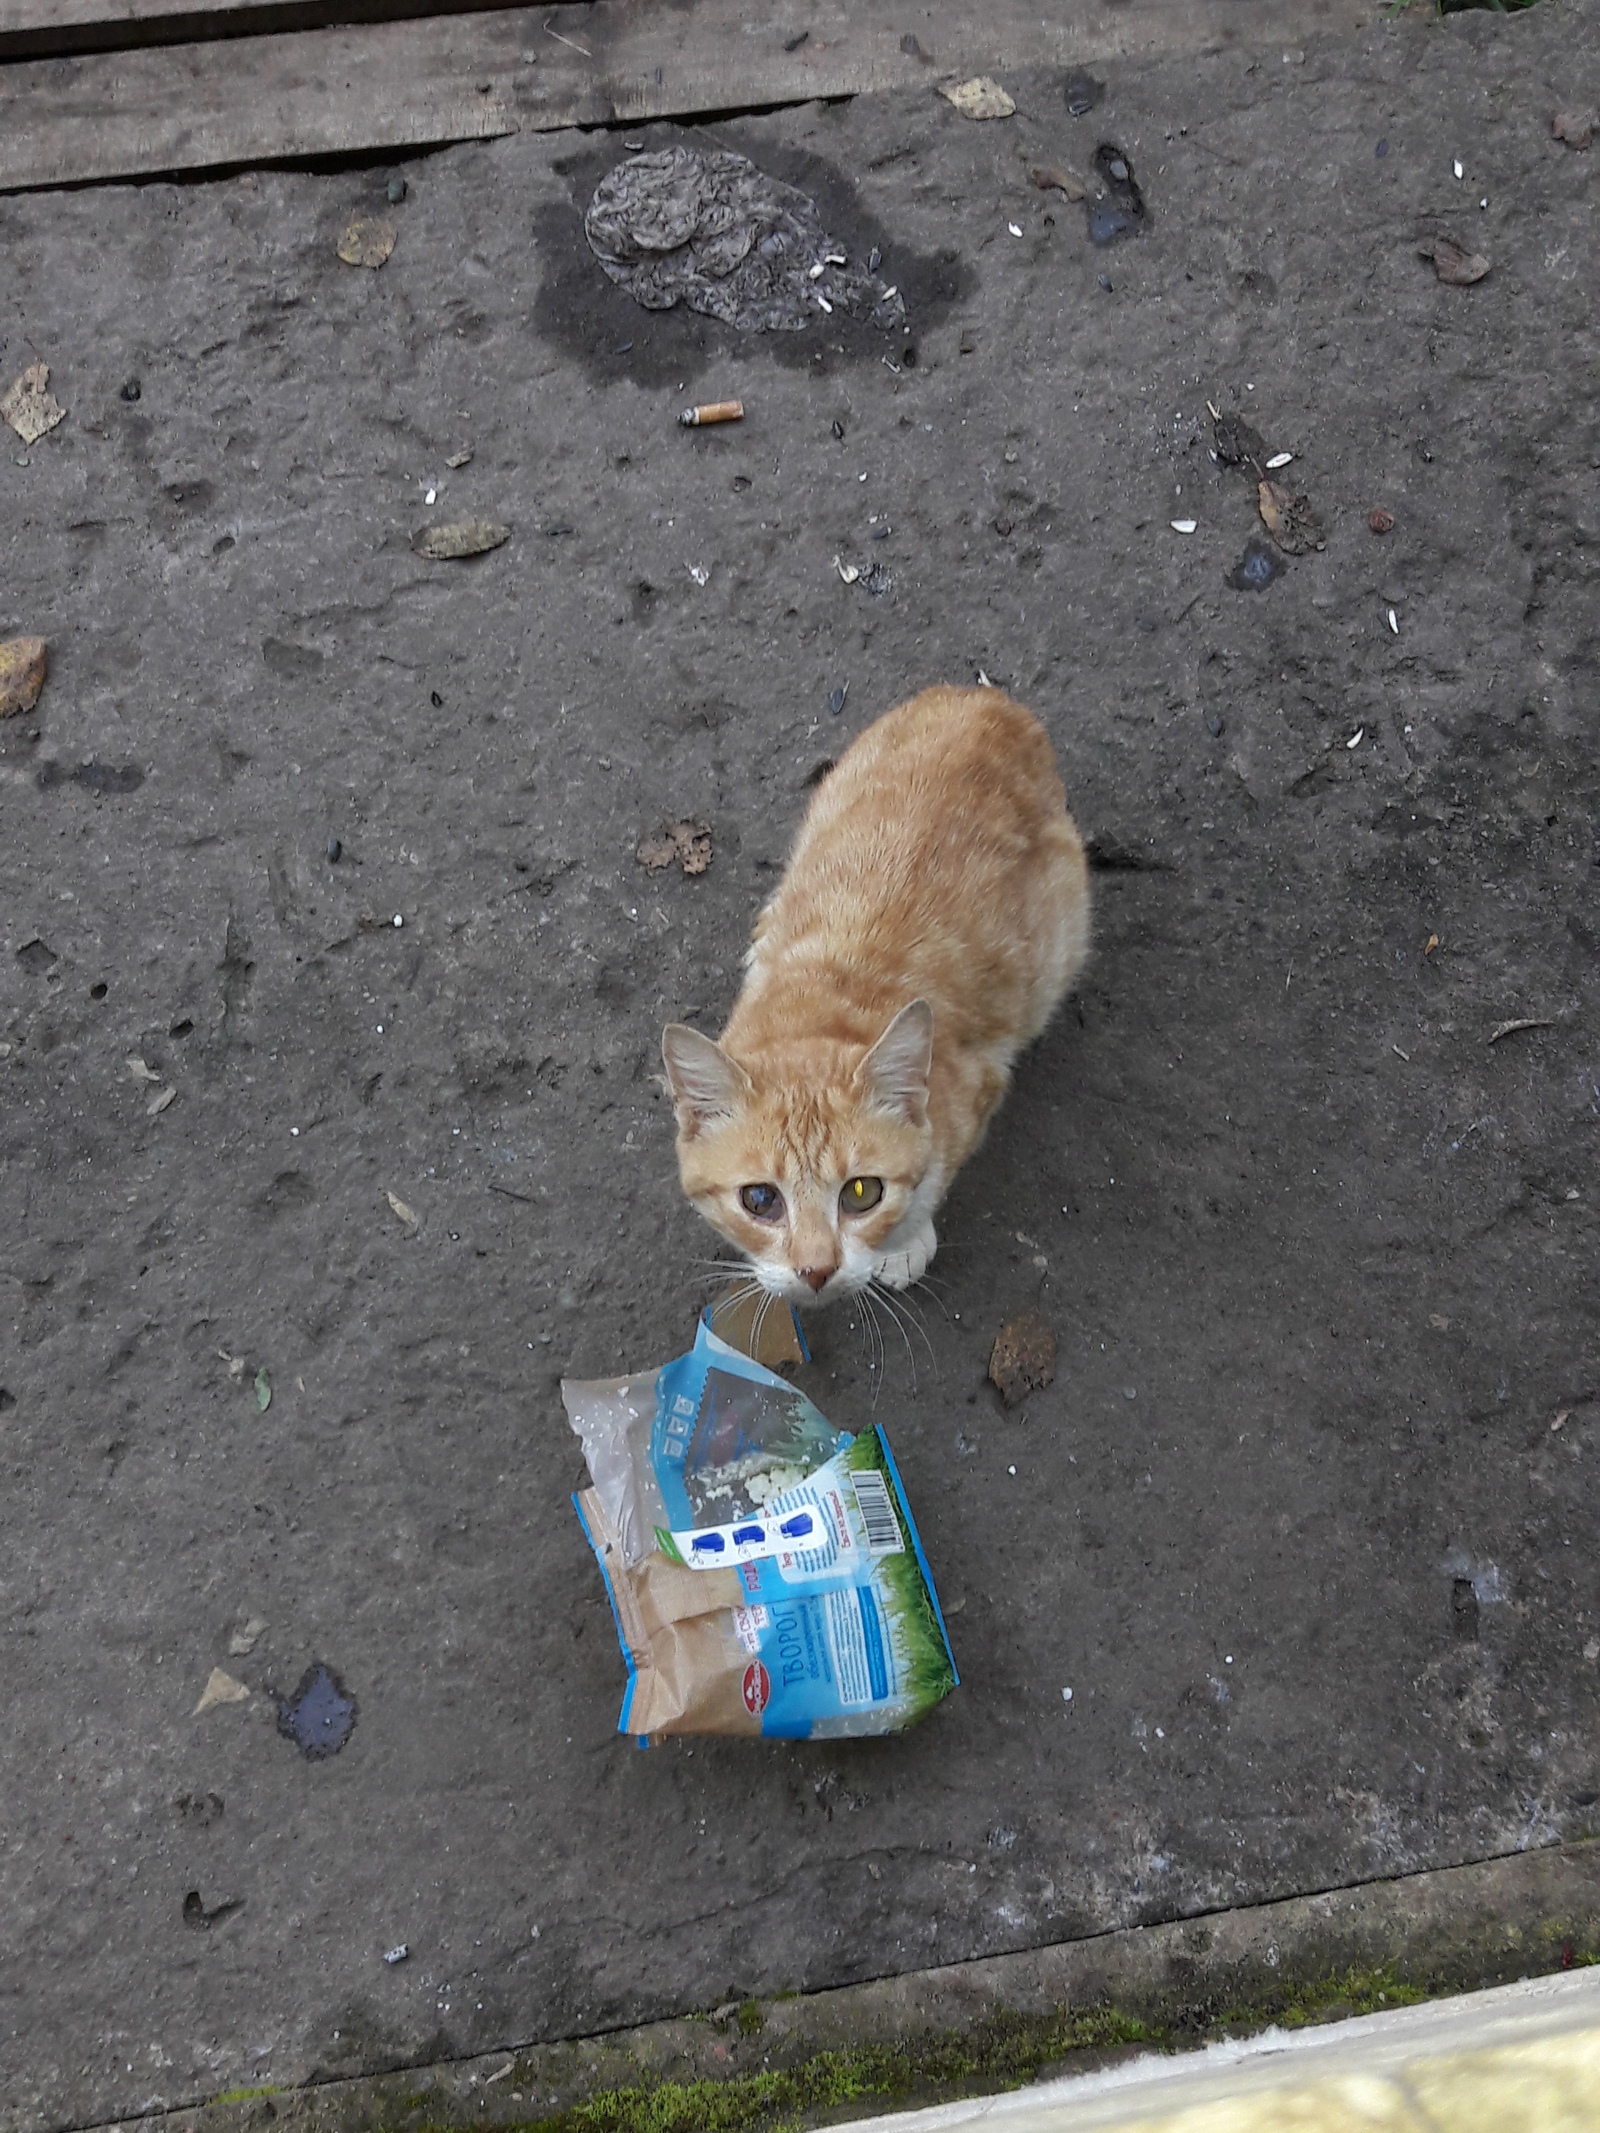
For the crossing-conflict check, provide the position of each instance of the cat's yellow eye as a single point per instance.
(765, 1202)
(859, 1194)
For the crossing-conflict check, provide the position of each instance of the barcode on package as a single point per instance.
(876, 1506)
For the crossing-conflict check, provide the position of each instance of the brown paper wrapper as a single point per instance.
(678, 1626)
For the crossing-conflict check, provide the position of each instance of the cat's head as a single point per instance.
(809, 1160)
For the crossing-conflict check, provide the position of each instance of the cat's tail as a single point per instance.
(1064, 930)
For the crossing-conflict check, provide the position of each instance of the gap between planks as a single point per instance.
(405, 85)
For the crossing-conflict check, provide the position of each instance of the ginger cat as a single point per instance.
(934, 911)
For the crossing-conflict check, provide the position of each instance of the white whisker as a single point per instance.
(740, 1291)
(876, 1324)
(904, 1316)
(765, 1305)
(908, 1323)
(882, 1344)
(933, 1296)
(860, 1323)
(730, 1299)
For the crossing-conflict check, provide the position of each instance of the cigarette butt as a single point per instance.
(694, 418)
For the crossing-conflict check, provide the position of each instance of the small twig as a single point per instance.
(1522, 1022)
(1406, 1056)
(556, 34)
(526, 1197)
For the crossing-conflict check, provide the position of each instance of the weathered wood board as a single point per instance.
(48, 29)
(403, 85)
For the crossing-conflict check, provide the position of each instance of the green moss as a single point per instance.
(1350, 1992)
(1002, 2052)
(247, 2095)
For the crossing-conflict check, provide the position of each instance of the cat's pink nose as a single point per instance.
(817, 1277)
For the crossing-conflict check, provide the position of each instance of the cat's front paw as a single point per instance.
(907, 1259)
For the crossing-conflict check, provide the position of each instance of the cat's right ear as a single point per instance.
(895, 1071)
(706, 1084)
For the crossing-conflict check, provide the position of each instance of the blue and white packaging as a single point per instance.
(763, 1567)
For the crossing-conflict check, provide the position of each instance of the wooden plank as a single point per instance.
(48, 29)
(405, 85)
(51, 25)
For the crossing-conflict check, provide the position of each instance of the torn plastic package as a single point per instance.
(763, 1567)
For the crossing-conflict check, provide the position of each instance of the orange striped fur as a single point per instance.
(934, 911)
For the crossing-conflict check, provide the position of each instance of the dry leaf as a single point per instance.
(367, 241)
(471, 536)
(220, 1688)
(235, 1364)
(159, 1102)
(1432, 943)
(979, 98)
(1453, 262)
(24, 662)
(1438, 1321)
(1507, 1029)
(849, 572)
(460, 459)
(1576, 128)
(405, 1213)
(138, 1069)
(1380, 520)
(1046, 176)
(246, 1637)
(29, 409)
(687, 842)
(1024, 1357)
(1560, 1419)
(1288, 517)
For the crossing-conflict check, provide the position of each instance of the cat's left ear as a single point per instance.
(894, 1073)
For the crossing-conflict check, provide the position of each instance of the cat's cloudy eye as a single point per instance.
(765, 1202)
(859, 1194)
